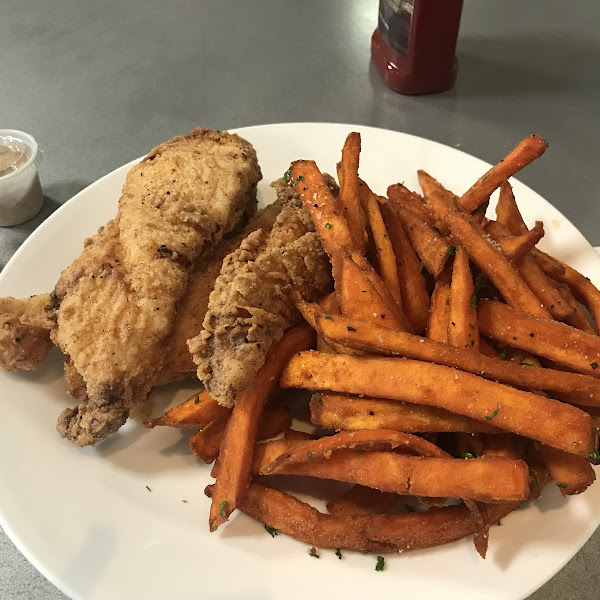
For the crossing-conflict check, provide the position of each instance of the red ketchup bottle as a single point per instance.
(414, 43)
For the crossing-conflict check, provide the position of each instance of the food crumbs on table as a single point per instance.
(313, 552)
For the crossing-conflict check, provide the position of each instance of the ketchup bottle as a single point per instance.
(414, 43)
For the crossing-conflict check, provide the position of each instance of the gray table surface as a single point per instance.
(99, 83)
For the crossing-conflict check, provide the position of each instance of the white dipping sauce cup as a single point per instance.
(21, 195)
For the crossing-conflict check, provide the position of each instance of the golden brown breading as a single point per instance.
(252, 305)
(114, 306)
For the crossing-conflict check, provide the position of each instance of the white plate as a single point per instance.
(85, 519)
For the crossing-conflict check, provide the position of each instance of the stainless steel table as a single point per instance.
(99, 83)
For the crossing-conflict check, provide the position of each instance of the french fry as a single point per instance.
(462, 318)
(515, 247)
(525, 152)
(538, 473)
(488, 480)
(556, 341)
(437, 526)
(349, 190)
(576, 318)
(439, 311)
(362, 294)
(400, 194)
(507, 211)
(581, 287)
(197, 411)
(549, 421)
(205, 444)
(572, 474)
(377, 340)
(413, 287)
(386, 258)
(487, 257)
(429, 244)
(322, 207)
(432, 186)
(288, 515)
(361, 501)
(235, 456)
(351, 413)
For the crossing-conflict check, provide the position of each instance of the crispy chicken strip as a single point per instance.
(252, 305)
(114, 306)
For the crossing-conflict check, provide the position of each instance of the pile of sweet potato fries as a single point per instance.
(455, 361)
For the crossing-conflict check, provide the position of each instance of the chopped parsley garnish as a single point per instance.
(222, 506)
(472, 325)
(479, 285)
(451, 251)
(197, 400)
(560, 484)
(286, 175)
(526, 364)
(148, 489)
(594, 457)
(594, 365)
(534, 482)
(327, 225)
(488, 417)
(472, 342)
(350, 328)
(298, 179)
(309, 454)
(329, 318)
(271, 530)
(468, 455)
(316, 396)
(338, 553)
(380, 563)
(481, 208)
(502, 354)
(359, 451)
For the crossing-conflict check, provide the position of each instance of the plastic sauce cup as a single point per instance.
(21, 195)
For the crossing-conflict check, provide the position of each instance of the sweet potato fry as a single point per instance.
(507, 211)
(542, 286)
(351, 413)
(581, 287)
(235, 457)
(489, 480)
(515, 247)
(293, 517)
(437, 526)
(377, 340)
(576, 318)
(432, 187)
(197, 411)
(429, 244)
(491, 261)
(413, 287)
(358, 441)
(349, 195)
(525, 152)
(400, 194)
(322, 207)
(439, 311)
(362, 294)
(549, 421)
(361, 501)
(572, 474)
(462, 318)
(205, 444)
(538, 473)
(386, 258)
(556, 341)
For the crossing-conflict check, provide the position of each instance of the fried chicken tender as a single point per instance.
(114, 307)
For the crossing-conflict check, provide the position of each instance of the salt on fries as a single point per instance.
(454, 361)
